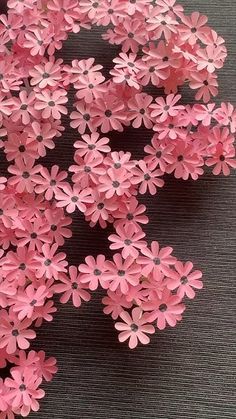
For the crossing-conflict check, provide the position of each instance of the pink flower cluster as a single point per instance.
(145, 284)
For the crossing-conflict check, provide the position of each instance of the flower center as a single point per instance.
(74, 199)
(33, 235)
(128, 242)
(47, 262)
(15, 333)
(53, 227)
(22, 266)
(51, 103)
(22, 387)
(134, 327)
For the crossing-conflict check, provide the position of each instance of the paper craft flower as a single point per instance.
(144, 283)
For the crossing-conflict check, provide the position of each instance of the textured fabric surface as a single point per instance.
(186, 372)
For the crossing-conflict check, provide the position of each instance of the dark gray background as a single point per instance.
(186, 372)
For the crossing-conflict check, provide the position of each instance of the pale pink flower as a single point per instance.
(92, 145)
(33, 233)
(206, 83)
(128, 239)
(50, 183)
(161, 25)
(211, 58)
(83, 118)
(51, 103)
(166, 310)
(24, 390)
(122, 273)
(58, 223)
(115, 302)
(115, 182)
(134, 328)
(42, 133)
(24, 108)
(28, 299)
(159, 154)
(146, 177)
(193, 27)
(140, 110)
(24, 175)
(48, 73)
(156, 260)
(163, 108)
(73, 198)
(14, 333)
(90, 87)
(93, 272)
(109, 114)
(51, 263)
(72, 287)
(184, 280)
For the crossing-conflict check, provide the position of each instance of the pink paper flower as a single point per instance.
(134, 328)
(92, 145)
(147, 178)
(115, 182)
(72, 287)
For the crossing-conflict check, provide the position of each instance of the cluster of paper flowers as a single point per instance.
(145, 283)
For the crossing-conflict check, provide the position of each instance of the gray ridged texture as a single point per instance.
(187, 372)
